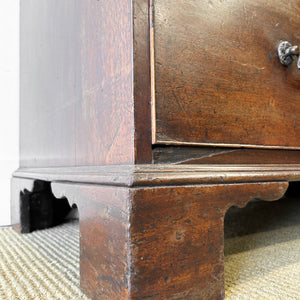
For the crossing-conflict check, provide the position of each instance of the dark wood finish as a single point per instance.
(250, 157)
(160, 242)
(218, 79)
(34, 206)
(162, 175)
(106, 109)
(217, 155)
(105, 253)
(177, 237)
(142, 81)
(17, 186)
(85, 83)
(175, 155)
(104, 244)
(90, 71)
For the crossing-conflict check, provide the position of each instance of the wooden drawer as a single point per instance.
(217, 78)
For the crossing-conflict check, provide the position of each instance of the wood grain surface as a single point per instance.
(158, 243)
(218, 155)
(164, 174)
(218, 79)
(250, 156)
(142, 81)
(84, 83)
(177, 238)
(89, 72)
(104, 238)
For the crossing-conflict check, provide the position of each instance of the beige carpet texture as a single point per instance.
(40, 265)
(262, 257)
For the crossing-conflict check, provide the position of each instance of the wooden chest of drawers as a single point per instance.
(154, 117)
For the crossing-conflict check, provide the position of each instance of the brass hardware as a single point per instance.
(286, 53)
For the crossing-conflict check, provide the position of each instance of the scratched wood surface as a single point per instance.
(164, 174)
(250, 156)
(218, 155)
(217, 75)
(178, 237)
(154, 242)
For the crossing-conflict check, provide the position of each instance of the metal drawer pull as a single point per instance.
(286, 53)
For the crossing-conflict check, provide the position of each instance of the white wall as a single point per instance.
(9, 101)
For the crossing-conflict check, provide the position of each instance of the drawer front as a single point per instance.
(217, 78)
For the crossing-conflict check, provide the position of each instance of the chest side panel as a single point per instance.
(76, 83)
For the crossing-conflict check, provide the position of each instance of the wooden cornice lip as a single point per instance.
(163, 175)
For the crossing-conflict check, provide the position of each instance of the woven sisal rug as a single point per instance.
(40, 265)
(262, 258)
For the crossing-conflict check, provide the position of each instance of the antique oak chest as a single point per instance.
(154, 117)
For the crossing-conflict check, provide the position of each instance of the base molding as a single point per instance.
(154, 241)
(164, 174)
